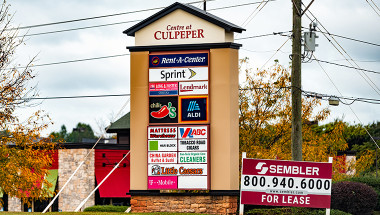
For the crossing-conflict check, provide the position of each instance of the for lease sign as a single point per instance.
(286, 183)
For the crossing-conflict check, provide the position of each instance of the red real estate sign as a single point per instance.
(286, 183)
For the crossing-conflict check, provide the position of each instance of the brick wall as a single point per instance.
(81, 184)
(185, 204)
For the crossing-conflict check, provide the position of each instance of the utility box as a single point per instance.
(309, 44)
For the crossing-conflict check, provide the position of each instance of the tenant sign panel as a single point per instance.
(178, 161)
(286, 183)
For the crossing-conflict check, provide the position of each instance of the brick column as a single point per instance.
(14, 204)
(81, 184)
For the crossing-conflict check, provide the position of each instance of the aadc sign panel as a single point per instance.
(286, 183)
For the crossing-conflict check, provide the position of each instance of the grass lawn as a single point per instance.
(86, 213)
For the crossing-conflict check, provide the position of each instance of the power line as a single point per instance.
(81, 28)
(348, 38)
(74, 61)
(117, 23)
(264, 35)
(351, 67)
(362, 74)
(93, 17)
(373, 7)
(73, 97)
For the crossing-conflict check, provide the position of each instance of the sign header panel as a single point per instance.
(178, 60)
(178, 74)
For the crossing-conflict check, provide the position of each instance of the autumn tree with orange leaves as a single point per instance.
(265, 121)
(24, 156)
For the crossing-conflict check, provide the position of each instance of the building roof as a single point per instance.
(190, 9)
(120, 124)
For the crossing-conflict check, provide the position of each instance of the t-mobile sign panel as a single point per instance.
(286, 183)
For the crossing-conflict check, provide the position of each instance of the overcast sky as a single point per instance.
(350, 18)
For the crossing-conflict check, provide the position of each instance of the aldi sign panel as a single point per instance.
(193, 109)
(178, 74)
(286, 183)
(178, 60)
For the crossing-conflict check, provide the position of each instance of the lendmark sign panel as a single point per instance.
(286, 183)
(193, 88)
(187, 166)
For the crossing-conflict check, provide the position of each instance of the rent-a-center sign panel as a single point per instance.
(286, 183)
(178, 157)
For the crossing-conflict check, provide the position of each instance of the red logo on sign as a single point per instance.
(155, 61)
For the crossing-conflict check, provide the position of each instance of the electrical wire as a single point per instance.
(81, 28)
(118, 23)
(72, 97)
(362, 74)
(336, 64)
(373, 7)
(91, 18)
(348, 38)
(73, 61)
(275, 53)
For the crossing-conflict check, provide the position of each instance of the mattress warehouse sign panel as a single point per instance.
(286, 183)
(178, 157)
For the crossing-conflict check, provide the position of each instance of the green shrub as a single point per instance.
(370, 181)
(353, 197)
(106, 208)
(291, 211)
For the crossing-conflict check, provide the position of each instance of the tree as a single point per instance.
(265, 119)
(24, 156)
(80, 132)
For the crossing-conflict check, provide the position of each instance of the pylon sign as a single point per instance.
(178, 94)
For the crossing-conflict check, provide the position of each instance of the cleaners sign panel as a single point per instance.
(286, 183)
(178, 157)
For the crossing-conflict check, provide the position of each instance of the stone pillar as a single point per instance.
(81, 184)
(14, 204)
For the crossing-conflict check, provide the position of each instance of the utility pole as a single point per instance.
(296, 83)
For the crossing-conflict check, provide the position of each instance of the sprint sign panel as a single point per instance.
(286, 183)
